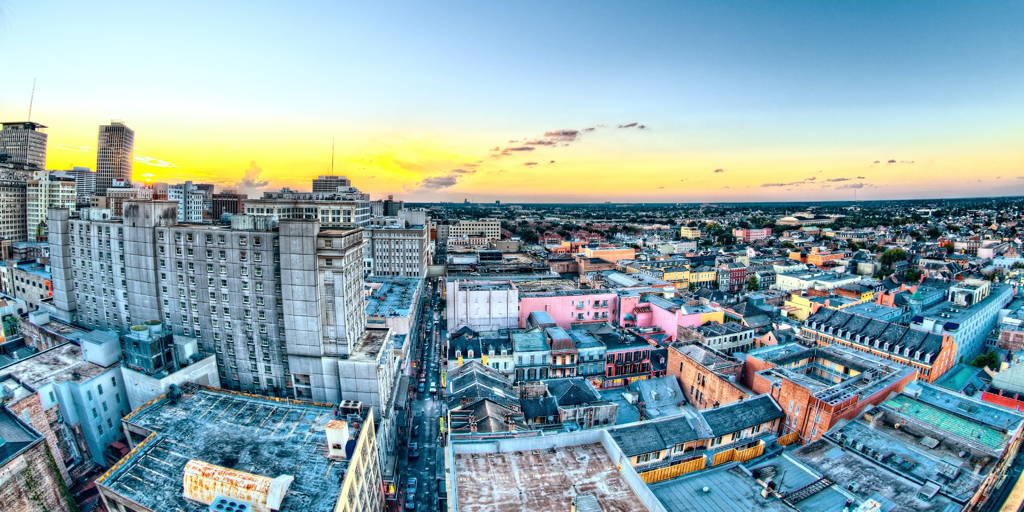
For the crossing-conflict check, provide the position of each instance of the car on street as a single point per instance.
(410, 494)
(414, 450)
(433, 388)
(422, 387)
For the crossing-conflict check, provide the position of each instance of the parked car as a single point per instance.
(410, 494)
(414, 450)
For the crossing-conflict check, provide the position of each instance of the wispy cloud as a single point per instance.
(449, 179)
(850, 186)
(550, 139)
(80, 149)
(837, 180)
(154, 162)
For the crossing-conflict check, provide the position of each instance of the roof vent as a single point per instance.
(222, 504)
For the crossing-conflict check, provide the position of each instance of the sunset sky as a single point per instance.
(536, 101)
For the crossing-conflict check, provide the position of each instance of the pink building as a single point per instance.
(573, 307)
(652, 310)
(751, 235)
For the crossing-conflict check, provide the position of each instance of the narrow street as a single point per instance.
(421, 456)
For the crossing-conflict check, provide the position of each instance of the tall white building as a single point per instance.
(12, 201)
(46, 190)
(24, 143)
(114, 155)
(399, 246)
(85, 182)
(195, 201)
(280, 303)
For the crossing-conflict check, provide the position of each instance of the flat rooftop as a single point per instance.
(369, 345)
(62, 363)
(868, 479)
(541, 480)
(814, 368)
(731, 489)
(257, 435)
(392, 298)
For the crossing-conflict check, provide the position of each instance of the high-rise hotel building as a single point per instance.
(114, 155)
(279, 301)
(24, 143)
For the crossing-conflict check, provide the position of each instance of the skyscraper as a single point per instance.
(329, 184)
(114, 154)
(24, 143)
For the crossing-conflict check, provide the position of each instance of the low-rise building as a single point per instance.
(926, 448)
(728, 337)
(83, 384)
(393, 303)
(818, 386)
(707, 377)
(570, 471)
(481, 305)
(188, 449)
(807, 280)
(689, 232)
(929, 353)
(968, 314)
(747, 235)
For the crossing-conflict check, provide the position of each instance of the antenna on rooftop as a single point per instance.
(31, 99)
(332, 155)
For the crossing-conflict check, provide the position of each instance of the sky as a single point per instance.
(535, 101)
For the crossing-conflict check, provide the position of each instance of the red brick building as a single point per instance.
(707, 377)
(818, 386)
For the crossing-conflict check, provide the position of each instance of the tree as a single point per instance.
(990, 359)
(893, 255)
(752, 284)
(913, 275)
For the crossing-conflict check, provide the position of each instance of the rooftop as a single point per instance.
(393, 298)
(15, 434)
(62, 363)
(821, 370)
(541, 480)
(733, 488)
(369, 345)
(263, 436)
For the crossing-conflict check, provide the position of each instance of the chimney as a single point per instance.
(337, 438)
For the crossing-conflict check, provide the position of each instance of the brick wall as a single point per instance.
(46, 422)
(29, 484)
(703, 387)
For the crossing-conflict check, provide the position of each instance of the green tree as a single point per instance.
(913, 275)
(990, 359)
(752, 284)
(893, 255)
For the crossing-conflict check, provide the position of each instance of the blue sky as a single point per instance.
(792, 85)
